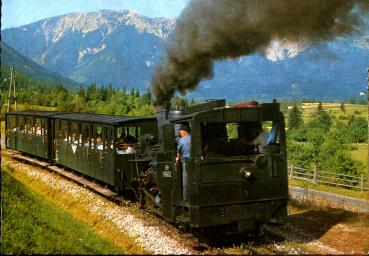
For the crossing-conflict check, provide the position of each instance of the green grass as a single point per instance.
(361, 153)
(2, 127)
(31, 225)
(332, 189)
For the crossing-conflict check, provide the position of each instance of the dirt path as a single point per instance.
(326, 230)
(307, 229)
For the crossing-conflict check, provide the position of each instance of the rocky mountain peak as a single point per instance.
(362, 42)
(104, 21)
(284, 49)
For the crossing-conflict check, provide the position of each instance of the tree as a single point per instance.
(81, 92)
(147, 97)
(132, 93)
(359, 129)
(124, 90)
(343, 109)
(300, 154)
(321, 120)
(294, 118)
(320, 107)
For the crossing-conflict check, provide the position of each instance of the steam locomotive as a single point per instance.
(231, 185)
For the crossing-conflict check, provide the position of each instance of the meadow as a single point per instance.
(33, 225)
(335, 110)
(360, 150)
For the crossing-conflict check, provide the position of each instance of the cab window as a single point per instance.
(236, 138)
(132, 134)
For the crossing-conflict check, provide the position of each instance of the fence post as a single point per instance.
(314, 175)
(361, 182)
(291, 171)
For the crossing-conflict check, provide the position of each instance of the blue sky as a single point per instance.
(20, 12)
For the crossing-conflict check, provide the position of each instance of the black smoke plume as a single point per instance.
(210, 30)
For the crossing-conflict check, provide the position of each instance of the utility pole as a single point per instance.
(1, 104)
(368, 120)
(12, 87)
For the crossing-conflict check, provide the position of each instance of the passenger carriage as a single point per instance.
(30, 132)
(88, 144)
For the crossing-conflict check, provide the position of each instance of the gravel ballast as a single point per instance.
(151, 233)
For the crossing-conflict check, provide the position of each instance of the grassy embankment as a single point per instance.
(327, 188)
(34, 224)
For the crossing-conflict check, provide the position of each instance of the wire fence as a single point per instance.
(336, 179)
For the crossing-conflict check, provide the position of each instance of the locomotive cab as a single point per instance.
(231, 183)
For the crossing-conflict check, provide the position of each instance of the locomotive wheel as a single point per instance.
(259, 229)
(130, 195)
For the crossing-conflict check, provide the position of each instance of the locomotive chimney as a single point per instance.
(162, 114)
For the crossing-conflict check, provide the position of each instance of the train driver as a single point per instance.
(184, 154)
(261, 140)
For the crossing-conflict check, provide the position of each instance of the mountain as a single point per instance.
(123, 48)
(103, 47)
(11, 58)
(331, 71)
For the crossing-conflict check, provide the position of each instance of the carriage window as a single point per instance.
(121, 132)
(65, 128)
(44, 126)
(233, 139)
(111, 137)
(106, 138)
(37, 126)
(99, 143)
(21, 124)
(57, 130)
(76, 133)
(232, 131)
(29, 125)
(130, 133)
(87, 135)
(12, 124)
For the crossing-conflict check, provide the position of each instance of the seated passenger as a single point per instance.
(120, 146)
(74, 143)
(99, 143)
(74, 147)
(87, 144)
(128, 149)
(38, 130)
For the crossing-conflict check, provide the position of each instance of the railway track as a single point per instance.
(196, 245)
(273, 241)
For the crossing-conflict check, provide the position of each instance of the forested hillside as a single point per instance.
(91, 99)
(11, 58)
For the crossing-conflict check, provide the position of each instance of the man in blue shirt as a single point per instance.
(183, 154)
